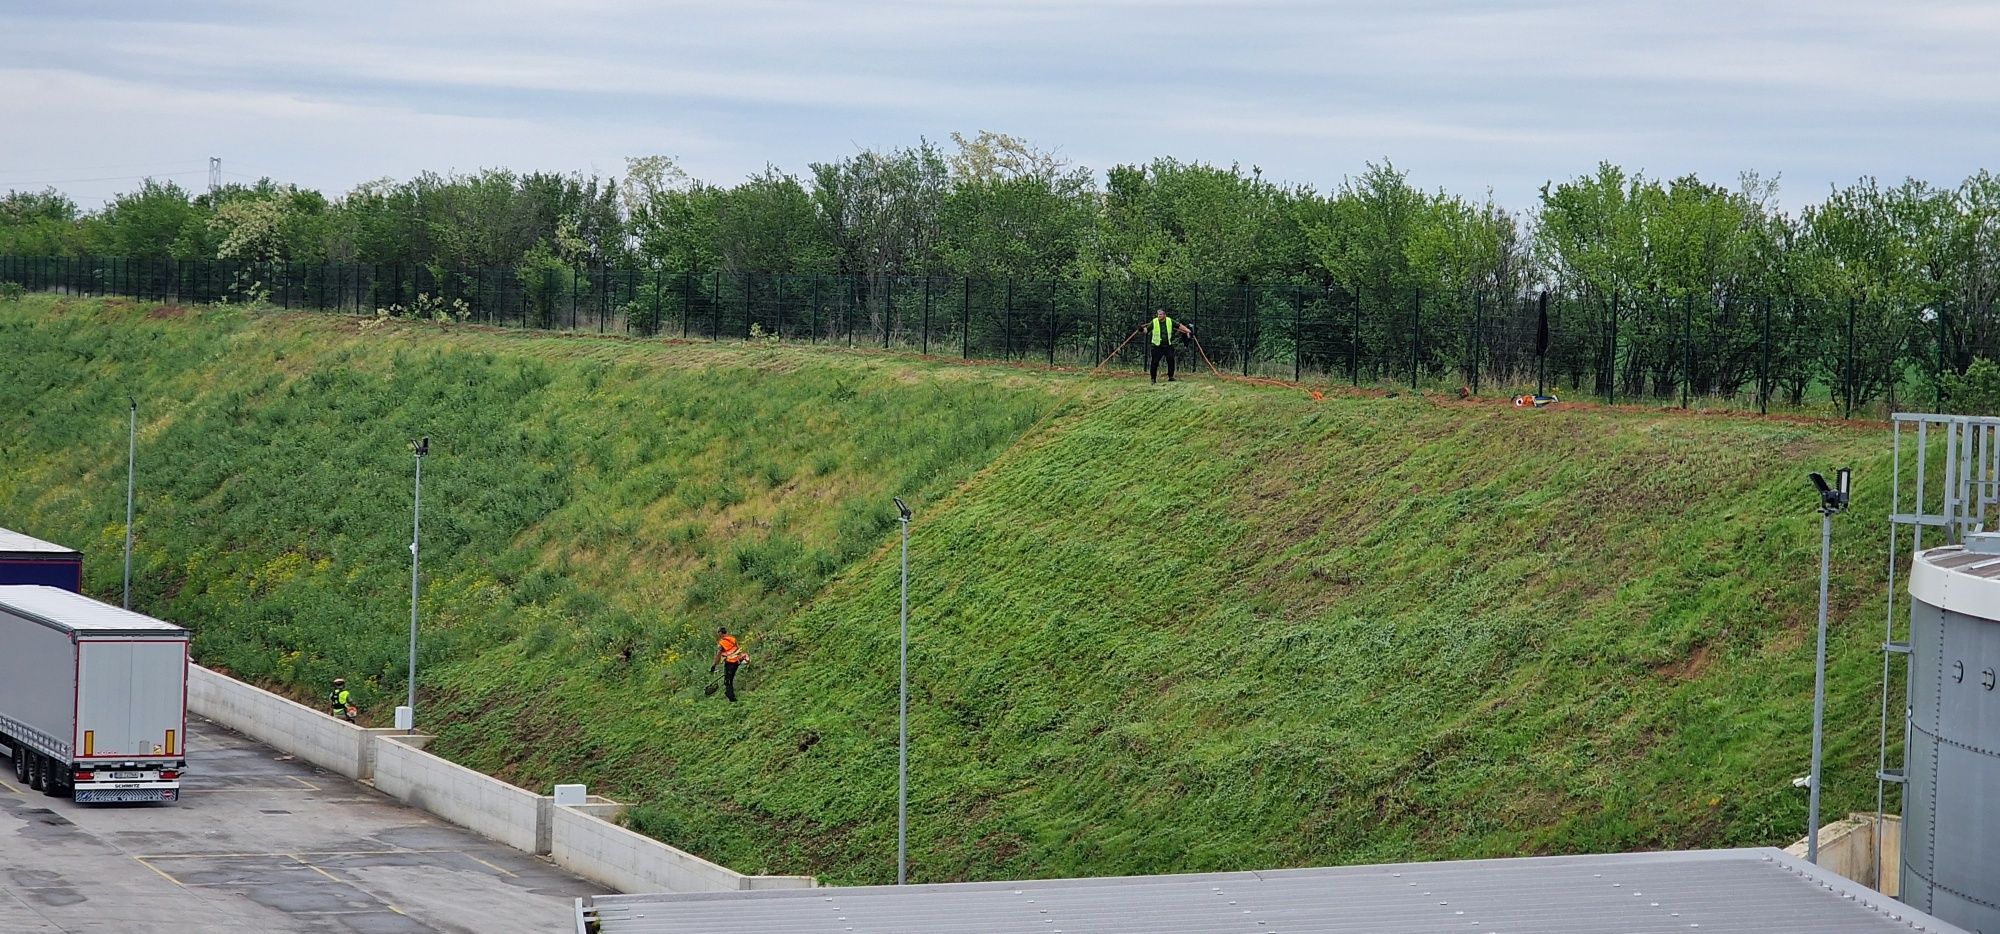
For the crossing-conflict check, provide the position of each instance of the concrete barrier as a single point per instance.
(1848, 847)
(480, 803)
(585, 839)
(588, 841)
(332, 744)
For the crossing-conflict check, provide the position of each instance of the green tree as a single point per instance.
(38, 223)
(156, 222)
(1014, 211)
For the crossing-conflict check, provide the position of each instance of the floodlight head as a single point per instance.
(422, 446)
(1833, 498)
(903, 508)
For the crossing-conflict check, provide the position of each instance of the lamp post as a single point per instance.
(420, 448)
(903, 712)
(1832, 500)
(131, 475)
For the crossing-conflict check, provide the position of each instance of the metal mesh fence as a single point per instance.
(1742, 352)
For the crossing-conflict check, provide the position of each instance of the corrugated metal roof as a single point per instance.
(64, 610)
(12, 542)
(1696, 892)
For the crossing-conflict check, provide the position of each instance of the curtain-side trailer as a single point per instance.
(93, 699)
(28, 560)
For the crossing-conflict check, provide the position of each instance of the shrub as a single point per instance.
(11, 291)
(1974, 392)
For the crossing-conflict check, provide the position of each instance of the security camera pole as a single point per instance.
(131, 475)
(421, 448)
(903, 713)
(1831, 500)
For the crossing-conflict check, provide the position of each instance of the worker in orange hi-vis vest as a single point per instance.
(729, 654)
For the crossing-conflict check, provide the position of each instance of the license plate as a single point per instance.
(128, 776)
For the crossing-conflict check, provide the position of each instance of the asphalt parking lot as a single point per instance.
(262, 842)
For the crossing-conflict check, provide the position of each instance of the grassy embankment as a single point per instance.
(1191, 627)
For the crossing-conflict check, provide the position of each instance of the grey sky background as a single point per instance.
(1468, 96)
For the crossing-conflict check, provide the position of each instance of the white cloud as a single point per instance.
(1466, 93)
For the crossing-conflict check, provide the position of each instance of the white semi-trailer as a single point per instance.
(93, 699)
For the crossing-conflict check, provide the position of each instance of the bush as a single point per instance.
(1974, 392)
(11, 291)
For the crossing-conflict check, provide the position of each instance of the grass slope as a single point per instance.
(1190, 627)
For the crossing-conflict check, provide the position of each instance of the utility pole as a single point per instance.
(1832, 500)
(131, 482)
(903, 713)
(421, 448)
(214, 174)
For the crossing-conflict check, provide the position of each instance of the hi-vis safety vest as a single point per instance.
(1163, 332)
(339, 699)
(731, 652)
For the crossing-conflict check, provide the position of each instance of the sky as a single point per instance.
(1471, 96)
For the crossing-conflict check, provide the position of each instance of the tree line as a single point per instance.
(1908, 269)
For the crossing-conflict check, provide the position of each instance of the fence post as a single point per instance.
(965, 320)
(1146, 313)
(1249, 291)
(715, 319)
(1416, 334)
(1007, 324)
(812, 313)
(1472, 339)
(888, 309)
(1847, 410)
(687, 301)
(1944, 336)
(1049, 320)
(1097, 299)
(926, 339)
(1541, 343)
(1194, 307)
(1764, 363)
(1298, 334)
(1354, 341)
(746, 306)
(657, 323)
(1687, 348)
(573, 297)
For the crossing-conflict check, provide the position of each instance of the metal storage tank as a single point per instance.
(1951, 799)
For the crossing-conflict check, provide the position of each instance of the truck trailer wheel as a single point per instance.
(20, 763)
(35, 771)
(54, 777)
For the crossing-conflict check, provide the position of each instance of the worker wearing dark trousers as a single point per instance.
(1163, 329)
(342, 700)
(729, 654)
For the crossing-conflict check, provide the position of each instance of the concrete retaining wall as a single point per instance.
(1848, 847)
(585, 839)
(588, 842)
(480, 803)
(312, 735)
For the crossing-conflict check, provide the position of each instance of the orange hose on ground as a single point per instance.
(1115, 350)
(1257, 380)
